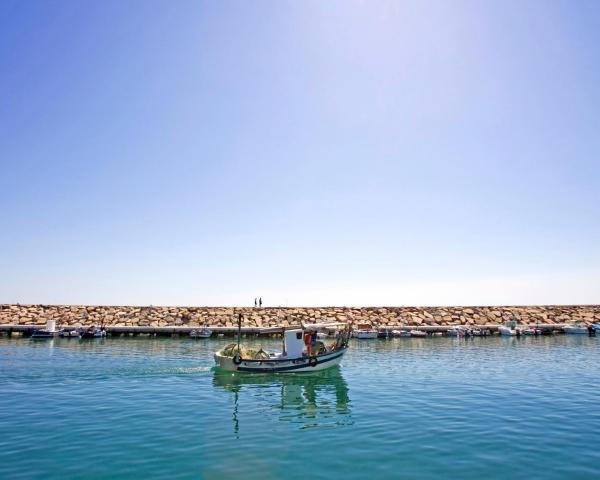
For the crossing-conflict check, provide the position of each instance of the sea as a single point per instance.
(410, 408)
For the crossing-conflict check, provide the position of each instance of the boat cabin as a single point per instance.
(293, 343)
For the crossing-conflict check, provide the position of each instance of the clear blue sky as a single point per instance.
(312, 153)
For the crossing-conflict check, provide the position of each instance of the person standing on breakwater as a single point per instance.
(260, 302)
(255, 301)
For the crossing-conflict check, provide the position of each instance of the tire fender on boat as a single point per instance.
(237, 359)
(313, 361)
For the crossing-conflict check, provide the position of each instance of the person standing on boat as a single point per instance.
(313, 342)
(307, 338)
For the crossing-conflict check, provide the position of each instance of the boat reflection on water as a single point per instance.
(310, 400)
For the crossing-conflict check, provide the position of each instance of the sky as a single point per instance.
(311, 153)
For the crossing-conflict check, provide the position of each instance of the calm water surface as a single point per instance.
(402, 408)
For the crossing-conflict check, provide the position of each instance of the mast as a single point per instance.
(239, 334)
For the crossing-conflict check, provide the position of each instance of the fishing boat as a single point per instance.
(201, 333)
(418, 333)
(93, 332)
(298, 354)
(532, 331)
(73, 333)
(456, 331)
(509, 329)
(365, 331)
(400, 333)
(465, 331)
(48, 332)
(577, 328)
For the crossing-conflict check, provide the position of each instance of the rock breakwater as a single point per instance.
(380, 317)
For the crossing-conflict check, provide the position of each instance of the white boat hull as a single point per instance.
(204, 333)
(576, 330)
(417, 333)
(277, 365)
(505, 331)
(400, 333)
(363, 335)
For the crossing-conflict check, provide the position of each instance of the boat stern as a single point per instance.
(224, 362)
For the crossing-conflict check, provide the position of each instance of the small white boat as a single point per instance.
(93, 332)
(577, 328)
(48, 332)
(201, 333)
(463, 331)
(457, 331)
(509, 329)
(400, 333)
(296, 356)
(64, 333)
(43, 333)
(532, 331)
(365, 331)
(418, 333)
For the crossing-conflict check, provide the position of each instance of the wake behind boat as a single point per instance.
(302, 352)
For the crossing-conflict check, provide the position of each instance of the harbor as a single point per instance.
(300, 240)
(156, 407)
(118, 331)
(182, 320)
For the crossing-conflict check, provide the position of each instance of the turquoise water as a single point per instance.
(402, 408)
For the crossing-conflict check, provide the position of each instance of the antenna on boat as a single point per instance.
(239, 333)
(283, 352)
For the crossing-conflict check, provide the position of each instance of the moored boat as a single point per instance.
(201, 333)
(297, 355)
(456, 331)
(73, 333)
(532, 331)
(510, 329)
(48, 332)
(466, 331)
(576, 328)
(418, 333)
(365, 331)
(401, 333)
(93, 332)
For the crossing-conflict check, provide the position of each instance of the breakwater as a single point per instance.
(226, 317)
